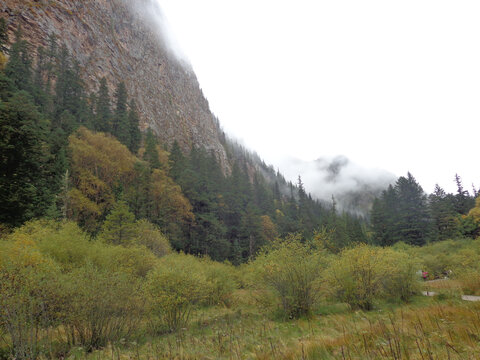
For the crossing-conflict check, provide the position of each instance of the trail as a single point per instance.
(463, 297)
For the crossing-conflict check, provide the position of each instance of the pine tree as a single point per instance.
(103, 116)
(151, 152)
(177, 162)
(134, 128)
(412, 223)
(39, 94)
(26, 173)
(443, 214)
(384, 218)
(19, 66)
(119, 226)
(463, 201)
(120, 121)
(3, 36)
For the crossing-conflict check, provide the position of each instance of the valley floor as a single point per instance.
(439, 327)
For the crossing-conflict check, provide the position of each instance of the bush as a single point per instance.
(399, 279)
(220, 282)
(103, 306)
(29, 296)
(291, 270)
(364, 273)
(135, 261)
(64, 242)
(355, 276)
(172, 289)
(152, 238)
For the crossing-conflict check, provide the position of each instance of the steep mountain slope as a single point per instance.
(121, 40)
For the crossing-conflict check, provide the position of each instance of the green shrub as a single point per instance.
(103, 306)
(136, 261)
(362, 274)
(152, 238)
(291, 270)
(173, 288)
(29, 296)
(399, 280)
(355, 276)
(220, 282)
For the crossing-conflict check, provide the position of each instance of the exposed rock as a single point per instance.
(119, 40)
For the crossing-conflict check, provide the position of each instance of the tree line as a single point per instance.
(404, 212)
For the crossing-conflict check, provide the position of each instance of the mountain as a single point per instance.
(125, 40)
(122, 40)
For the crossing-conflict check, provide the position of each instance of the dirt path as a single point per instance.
(464, 297)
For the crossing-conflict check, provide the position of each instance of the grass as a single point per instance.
(427, 329)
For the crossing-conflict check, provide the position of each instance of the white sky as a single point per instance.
(389, 84)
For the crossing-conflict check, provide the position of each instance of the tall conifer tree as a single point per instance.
(103, 114)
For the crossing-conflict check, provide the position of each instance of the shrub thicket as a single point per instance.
(291, 270)
(363, 274)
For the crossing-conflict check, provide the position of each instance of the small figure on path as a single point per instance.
(424, 275)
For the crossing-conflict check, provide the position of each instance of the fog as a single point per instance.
(151, 12)
(352, 185)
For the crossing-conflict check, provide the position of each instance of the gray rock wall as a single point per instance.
(117, 39)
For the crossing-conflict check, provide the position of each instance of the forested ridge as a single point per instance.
(93, 156)
(111, 240)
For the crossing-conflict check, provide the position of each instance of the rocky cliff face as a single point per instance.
(121, 40)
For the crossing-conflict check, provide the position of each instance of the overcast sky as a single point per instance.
(389, 84)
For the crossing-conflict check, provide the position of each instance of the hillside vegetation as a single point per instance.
(115, 246)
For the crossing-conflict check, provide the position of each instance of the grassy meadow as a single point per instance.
(66, 295)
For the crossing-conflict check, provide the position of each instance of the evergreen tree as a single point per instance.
(120, 121)
(26, 173)
(384, 218)
(463, 201)
(69, 92)
(119, 226)
(177, 162)
(39, 94)
(51, 65)
(443, 214)
(103, 116)
(19, 66)
(3, 36)
(134, 128)
(151, 152)
(412, 224)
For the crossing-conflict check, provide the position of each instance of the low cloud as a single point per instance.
(151, 12)
(353, 186)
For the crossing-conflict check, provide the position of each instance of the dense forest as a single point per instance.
(111, 241)
(73, 155)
